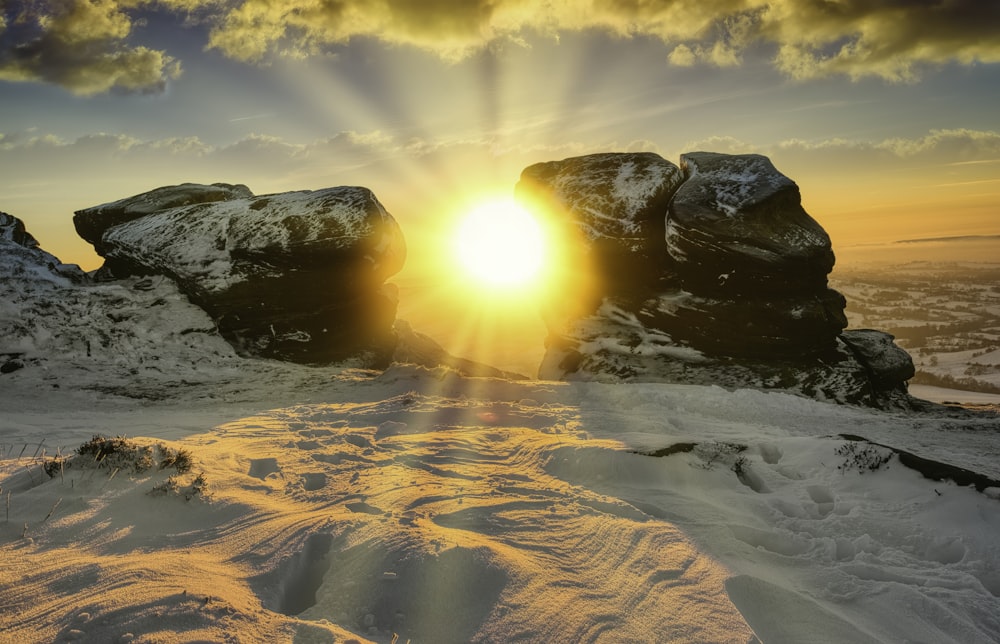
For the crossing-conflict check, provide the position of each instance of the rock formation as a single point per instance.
(137, 335)
(140, 337)
(294, 276)
(711, 273)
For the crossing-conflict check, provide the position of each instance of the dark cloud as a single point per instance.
(85, 45)
(80, 45)
(892, 39)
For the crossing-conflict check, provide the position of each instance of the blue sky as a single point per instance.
(885, 112)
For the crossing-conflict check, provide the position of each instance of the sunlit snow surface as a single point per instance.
(442, 509)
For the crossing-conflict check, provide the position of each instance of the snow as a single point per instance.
(345, 504)
(337, 504)
(219, 234)
(942, 395)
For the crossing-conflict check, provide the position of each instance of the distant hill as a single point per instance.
(956, 238)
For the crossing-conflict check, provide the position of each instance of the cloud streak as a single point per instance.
(87, 45)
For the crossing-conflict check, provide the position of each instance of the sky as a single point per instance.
(884, 112)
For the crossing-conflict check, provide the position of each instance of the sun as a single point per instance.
(500, 245)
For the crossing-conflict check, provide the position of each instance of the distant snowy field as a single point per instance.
(418, 505)
(945, 314)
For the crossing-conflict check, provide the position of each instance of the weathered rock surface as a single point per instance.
(91, 223)
(139, 337)
(887, 362)
(754, 326)
(63, 329)
(12, 230)
(24, 253)
(293, 276)
(737, 225)
(732, 290)
(613, 205)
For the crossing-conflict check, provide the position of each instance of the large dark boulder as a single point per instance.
(293, 276)
(755, 327)
(612, 206)
(716, 277)
(737, 225)
(616, 344)
(887, 362)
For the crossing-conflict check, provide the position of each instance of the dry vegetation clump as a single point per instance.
(121, 454)
(173, 487)
(862, 457)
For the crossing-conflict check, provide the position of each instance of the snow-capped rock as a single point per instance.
(91, 223)
(737, 225)
(21, 255)
(294, 276)
(139, 335)
(730, 288)
(889, 364)
(12, 230)
(614, 205)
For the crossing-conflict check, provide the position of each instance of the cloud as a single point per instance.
(88, 46)
(80, 45)
(956, 154)
(893, 40)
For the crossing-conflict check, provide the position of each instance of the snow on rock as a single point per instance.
(22, 256)
(614, 204)
(736, 215)
(758, 261)
(719, 276)
(111, 342)
(91, 223)
(616, 345)
(139, 336)
(888, 362)
(294, 276)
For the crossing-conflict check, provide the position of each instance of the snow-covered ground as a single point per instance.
(258, 501)
(339, 505)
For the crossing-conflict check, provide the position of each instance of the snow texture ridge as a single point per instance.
(417, 504)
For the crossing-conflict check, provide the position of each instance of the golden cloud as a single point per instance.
(85, 44)
(80, 45)
(809, 38)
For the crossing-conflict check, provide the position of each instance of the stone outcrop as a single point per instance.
(139, 337)
(59, 328)
(614, 204)
(719, 276)
(92, 223)
(17, 243)
(294, 276)
(750, 263)
(737, 225)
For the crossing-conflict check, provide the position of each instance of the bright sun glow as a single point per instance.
(501, 245)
